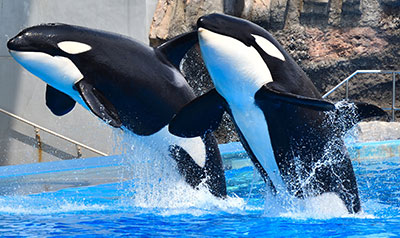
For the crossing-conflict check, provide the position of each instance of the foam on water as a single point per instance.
(45, 205)
(325, 206)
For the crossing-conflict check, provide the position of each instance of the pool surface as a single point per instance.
(96, 198)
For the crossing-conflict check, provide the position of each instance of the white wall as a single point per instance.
(23, 94)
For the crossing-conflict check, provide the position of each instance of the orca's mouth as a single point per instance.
(220, 23)
(226, 25)
(12, 44)
(206, 22)
(20, 43)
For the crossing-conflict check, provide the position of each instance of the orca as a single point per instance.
(123, 82)
(291, 135)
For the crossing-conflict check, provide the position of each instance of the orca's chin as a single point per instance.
(13, 53)
(209, 36)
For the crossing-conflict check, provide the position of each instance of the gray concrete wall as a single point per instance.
(23, 94)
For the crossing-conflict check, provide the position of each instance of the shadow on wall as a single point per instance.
(46, 148)
(9, 71)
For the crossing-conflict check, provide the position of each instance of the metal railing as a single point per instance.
(37, 129)
(346, 81)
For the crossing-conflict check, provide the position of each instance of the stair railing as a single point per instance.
(346, 82)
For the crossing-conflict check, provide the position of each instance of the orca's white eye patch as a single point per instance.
(268, 47)
(73, 47)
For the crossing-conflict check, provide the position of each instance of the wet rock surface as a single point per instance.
(174, 17)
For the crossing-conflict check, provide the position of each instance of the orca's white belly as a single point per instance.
(161, 141)
(251, 121)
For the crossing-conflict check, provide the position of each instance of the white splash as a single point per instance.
(326, 205)
(157, 184)
(322, 207)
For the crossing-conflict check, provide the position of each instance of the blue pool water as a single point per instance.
(134, 208)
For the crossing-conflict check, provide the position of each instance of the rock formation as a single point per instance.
(174, 17)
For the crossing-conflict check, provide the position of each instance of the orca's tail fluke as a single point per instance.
(349, 116)
(211, 175)
(366, 111)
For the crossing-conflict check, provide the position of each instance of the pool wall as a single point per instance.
(52, 176)
(374, 150)
(357, 151)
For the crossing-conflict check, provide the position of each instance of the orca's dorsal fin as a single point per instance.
(98, 103)
(176, 48)
(58, 102)
(267, 94)
(201, 115)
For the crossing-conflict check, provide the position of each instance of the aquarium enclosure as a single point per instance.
(105, 168)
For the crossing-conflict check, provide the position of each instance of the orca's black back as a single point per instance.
(310, 152)
(146, 90)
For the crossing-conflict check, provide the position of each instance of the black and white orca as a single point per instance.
(280, 117)
(123, 82)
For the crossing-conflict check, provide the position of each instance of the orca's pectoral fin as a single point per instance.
(201, 115)
(98, 103)
(187, 167)
(58, 102)
(366, 110)
(176, 48)
(268, 94)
